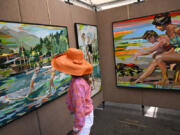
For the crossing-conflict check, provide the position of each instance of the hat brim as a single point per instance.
(63, 64)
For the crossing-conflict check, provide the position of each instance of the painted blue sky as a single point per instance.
(141, 30)
(140, 27)
(138, 30)
(37, 30)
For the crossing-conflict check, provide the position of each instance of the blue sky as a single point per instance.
(37, 30)
(138, 30)
(140, 27)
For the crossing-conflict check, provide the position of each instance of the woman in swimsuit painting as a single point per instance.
(163, 23)
(52, 71)
(53, 74)
(34, 76)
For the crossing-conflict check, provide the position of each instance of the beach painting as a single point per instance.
(87, 41)
(27, 80)
(136, 54)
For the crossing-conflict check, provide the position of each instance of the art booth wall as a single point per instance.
(53, 117)
(152, 97)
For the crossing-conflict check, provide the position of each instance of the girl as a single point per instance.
(79, 100)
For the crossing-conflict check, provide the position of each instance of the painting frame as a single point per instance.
(96, 84)
(58, 92)
(158, 86)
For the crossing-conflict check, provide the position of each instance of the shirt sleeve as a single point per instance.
(69, 101)
(79, 101)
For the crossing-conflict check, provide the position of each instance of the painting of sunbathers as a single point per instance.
(27, 79)
(87, 41)
(147, 51)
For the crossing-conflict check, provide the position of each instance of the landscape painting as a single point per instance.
(141, 44)
(27, 79)
(87, 41)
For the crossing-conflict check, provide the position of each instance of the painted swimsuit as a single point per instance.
(175, 42)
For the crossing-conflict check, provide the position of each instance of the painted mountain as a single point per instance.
(13, 39)
(14, 36)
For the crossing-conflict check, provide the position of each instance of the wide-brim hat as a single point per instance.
(72, 62)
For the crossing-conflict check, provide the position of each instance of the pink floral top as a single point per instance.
(79, 100)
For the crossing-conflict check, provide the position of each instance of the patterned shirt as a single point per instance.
(79, 100)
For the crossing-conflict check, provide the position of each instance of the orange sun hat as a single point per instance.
(72, 62)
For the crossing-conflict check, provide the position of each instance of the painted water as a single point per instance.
(14, 98)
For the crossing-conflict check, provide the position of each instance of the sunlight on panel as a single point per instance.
(100, 5)
(96, 2)
(151, 112)
(118, 4)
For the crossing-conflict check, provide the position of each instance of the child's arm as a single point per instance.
(154, 48)
(143, 53)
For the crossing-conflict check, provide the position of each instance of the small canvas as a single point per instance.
(87, 41)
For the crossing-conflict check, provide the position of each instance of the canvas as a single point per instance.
(142, 51)
(87, 41)
(27, 80)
